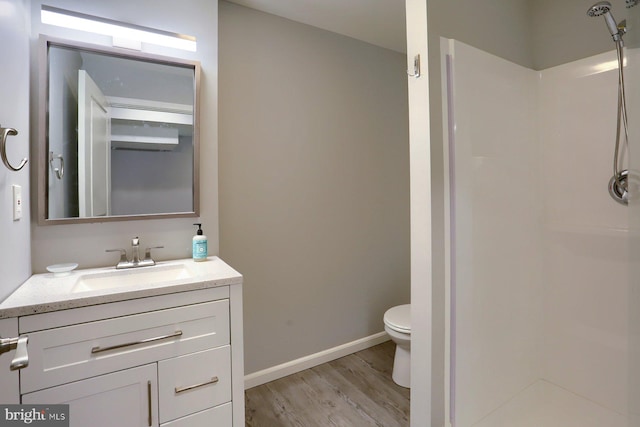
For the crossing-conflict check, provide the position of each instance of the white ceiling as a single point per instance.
(379, 22)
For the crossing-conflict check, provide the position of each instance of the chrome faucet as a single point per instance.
(135, 250)
(135, 256)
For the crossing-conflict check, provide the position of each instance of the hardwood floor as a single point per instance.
(355, 390)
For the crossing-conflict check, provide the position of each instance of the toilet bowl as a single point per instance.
(397, 324)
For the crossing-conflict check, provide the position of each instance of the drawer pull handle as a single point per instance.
(150, 410)
(129, 344)
(191, 387)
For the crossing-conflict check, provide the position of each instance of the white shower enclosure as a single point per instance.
(539, 254)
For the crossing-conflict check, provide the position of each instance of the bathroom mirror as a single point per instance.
(118, 134)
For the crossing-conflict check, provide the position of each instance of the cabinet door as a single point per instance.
(9, 391)
(125, 399)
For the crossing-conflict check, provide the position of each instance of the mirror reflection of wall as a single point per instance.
(63, 125)
(147, 166)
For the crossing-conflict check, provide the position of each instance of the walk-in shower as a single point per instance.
(618, 184)
(541, 281)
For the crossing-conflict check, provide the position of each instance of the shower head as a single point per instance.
(631, 3)
(599, 9)
(603, 8)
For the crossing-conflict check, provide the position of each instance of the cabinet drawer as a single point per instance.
(71, 353)
(124, 399)
(218, 416)
(194, 382)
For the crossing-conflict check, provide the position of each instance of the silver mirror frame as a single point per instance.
(43, 130)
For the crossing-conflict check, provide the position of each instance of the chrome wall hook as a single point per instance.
(416, 67)
(4, 133)
(58, 171)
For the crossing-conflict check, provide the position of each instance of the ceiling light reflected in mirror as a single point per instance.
(117, 30)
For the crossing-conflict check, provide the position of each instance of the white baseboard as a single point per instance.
(297, 365)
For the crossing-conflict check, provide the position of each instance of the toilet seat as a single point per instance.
(398, 318)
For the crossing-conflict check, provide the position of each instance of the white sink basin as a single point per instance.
(140, 276)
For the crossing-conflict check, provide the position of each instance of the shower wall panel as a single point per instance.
(586, 248)
(495, 209)
(633, 303)
(540, 252)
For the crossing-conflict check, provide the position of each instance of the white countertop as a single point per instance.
(43, 293)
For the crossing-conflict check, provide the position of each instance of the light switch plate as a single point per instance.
(17, 202)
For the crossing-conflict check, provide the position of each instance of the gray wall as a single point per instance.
(15, 243)
(314, 183)
(86, 243)
(145, 181)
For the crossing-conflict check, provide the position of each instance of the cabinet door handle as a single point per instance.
(191, 387)
(99, 349)
(149, 403)
(19, 344)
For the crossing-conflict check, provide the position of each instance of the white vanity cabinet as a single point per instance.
(166, 360)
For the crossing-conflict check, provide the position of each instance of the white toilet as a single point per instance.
(397, 323)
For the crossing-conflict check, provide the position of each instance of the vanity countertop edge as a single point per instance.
(43, 293)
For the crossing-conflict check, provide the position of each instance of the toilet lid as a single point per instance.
(399, 318)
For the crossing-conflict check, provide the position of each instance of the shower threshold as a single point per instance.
(543, 404)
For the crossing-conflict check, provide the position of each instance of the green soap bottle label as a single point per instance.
(200, 249)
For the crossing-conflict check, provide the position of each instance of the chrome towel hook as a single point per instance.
(58, 171)
(4, 133)
(416, 67)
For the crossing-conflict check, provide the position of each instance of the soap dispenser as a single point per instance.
(199, 245)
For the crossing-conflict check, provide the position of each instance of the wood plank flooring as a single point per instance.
(353, 391)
